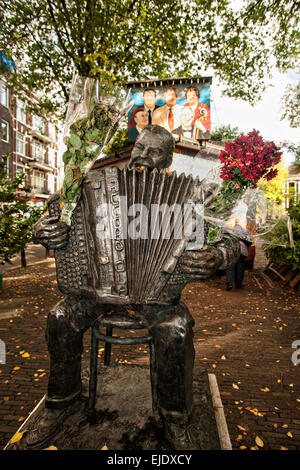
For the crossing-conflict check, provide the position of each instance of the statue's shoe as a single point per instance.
(48, 425)
(180, 437)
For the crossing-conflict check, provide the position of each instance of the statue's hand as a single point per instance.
(51, 233)
(201, 264)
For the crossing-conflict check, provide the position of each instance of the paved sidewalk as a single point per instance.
(34, 254)
(243, 336)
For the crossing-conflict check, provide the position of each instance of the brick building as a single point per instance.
(32, 142)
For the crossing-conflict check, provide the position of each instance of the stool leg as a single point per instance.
(93, 371)
(153, 375)
(107, 347)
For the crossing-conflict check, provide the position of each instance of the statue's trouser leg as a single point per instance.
(66, 324)
(172, 332)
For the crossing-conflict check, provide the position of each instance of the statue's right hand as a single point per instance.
(51, 233)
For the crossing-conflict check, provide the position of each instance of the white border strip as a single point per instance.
(224, 437)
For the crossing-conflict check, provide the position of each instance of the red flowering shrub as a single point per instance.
(248, 159)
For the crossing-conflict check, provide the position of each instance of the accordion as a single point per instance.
(122, 248)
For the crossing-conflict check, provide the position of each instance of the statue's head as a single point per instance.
(153, 148)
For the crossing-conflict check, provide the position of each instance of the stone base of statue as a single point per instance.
(124, 420)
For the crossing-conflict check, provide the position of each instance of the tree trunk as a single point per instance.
(23, 259)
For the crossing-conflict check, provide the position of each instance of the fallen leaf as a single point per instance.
(17, 437)
(223, 358)
(259, 441)
(235, 386)
(51, 448)
(243, 447)
(241, 428)
(104, 448)
(266, 389)
(26, 354)
(289, 434)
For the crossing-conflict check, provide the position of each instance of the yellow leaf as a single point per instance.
(26, 354)
(17, 437)
(104, 448)
(289, 434)
(5, 398)
(51, 448)
(283, 448)
(266, 389)
(241, 428)
(16, 368)
(218, 346)
(239, 438)
(223, 358)
(235, 386)
(243, 447)
(259, 442)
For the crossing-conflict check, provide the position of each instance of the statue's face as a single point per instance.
(151, 150)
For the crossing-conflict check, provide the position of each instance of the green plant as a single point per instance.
(277, 244)
(17, 214)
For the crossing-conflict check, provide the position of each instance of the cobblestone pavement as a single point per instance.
(243, 336)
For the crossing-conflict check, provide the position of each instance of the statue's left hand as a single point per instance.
(201, 264)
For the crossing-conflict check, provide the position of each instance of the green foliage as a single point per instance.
(294, 149)
(291, 105)
(279, 236)
(274, 189)
(119, 141)
(17, 215)
(129, 39)
(224, 133)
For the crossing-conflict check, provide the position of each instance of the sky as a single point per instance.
(264, 116)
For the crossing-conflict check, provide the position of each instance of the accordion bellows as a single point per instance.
(119, 248)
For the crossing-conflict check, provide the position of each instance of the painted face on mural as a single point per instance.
(186, 118)
(141, 119)
(170, 97)
(149, 98)
(191, 97)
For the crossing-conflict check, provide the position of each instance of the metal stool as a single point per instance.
(126, 322)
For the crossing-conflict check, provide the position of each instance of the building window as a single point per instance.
(39, 180)
(19, 169)
(21, 115)
(4, 95)
(20, 143)
(38, 151)
(38, 123)
(5, 131)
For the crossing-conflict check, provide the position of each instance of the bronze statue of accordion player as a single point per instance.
(146, 274)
